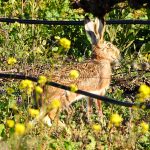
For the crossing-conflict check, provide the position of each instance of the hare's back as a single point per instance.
(90, 72)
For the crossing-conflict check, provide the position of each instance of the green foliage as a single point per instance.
(129, 38)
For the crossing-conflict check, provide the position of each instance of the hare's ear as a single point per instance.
(90, 30)
(100, 28)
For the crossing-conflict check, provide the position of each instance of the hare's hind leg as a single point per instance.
(53, 115)
(42, 117)
(89, 107)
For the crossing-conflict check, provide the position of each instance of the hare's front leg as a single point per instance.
(99, 103)
(90, 108)
(99, 108)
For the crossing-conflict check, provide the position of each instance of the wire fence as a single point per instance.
(47, 22)
(57, 85)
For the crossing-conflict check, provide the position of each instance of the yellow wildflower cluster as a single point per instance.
(19, 129)
(33, 112)
(55, 104)
(96, 127)
(11, 61)
(42, 80)
(38, 90)
(26, 85)
(144, 127)
(74, 74)
(10, 123)
(65, 43)
(144, 92)
(116, 119)
(73, 88)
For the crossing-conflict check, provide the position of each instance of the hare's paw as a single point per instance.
(47, 121)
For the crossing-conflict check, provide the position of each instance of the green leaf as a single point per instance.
(55, 49)
(68, 145)
(12, 102)
(53, 146)
(2, 127)
(145, 48)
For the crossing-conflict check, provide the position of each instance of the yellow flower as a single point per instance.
(144, 127)
(65, 43)
(116, 119)
(10, 123)
(73, 88)
(96, 127)
(26, 85)
(10, 90)
(140, 98)
(11, 61)
(33, 112)
(38, 90)
(19, 129)
(55, 104)
(42, 80)
(144, 91)
(74, 74)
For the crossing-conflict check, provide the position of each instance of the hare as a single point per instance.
(94, 74)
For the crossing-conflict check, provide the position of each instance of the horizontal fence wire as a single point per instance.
(57, 85)
(47, 22)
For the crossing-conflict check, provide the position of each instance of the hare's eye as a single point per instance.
(112, 57)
